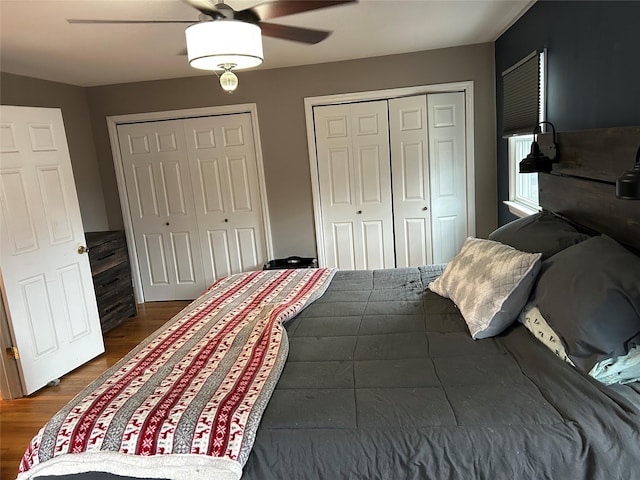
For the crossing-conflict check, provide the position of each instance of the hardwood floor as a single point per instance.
(21, 419)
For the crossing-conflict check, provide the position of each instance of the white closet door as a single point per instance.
(224, 170)
(355, 184)
(447, 154)
(410, 167)
(156, 171)
(46, 278)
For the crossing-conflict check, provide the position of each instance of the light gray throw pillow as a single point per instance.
(490, 283)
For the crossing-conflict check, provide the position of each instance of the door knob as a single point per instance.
(359, 212)
(82, 249)
(226, 220)
(167, 224)
(425, 208)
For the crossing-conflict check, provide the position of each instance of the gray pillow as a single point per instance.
(490, 283)
(590, 295)
(542, 232)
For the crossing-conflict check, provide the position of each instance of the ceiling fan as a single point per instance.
(226, 39)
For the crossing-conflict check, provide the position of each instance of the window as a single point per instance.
(523, 187)
(524, 105)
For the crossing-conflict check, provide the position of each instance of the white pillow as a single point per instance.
(490, 283)
(533, 320)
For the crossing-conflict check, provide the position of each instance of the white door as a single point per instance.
(392, 193)
(158, 183)
(428, 164)
(46, 279)
(410, 167)
(448, 176)
(224, 171)
(355, 184)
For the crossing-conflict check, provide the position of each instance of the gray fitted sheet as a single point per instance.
(383, 381)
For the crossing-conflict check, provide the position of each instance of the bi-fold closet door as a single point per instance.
(194, 198)
(392, 180)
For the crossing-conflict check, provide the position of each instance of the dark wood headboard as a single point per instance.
(582, 188)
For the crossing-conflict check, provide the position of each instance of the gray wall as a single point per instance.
(32, 92)
(279, 95)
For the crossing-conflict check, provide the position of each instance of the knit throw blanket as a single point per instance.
(185, 403)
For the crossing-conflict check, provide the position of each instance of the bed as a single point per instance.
(386, 377)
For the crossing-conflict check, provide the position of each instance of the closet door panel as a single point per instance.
(342, 244)
(145, 202)
(209, 176)
(239, 186)
(354, 176)
(173, 192)
(219, 258)
(369, 168)
(341, 184)
(183, 258)
(410, 166)
(373, 245)
(446, 237)
(162, 208)
(447, 151)
(247, 248)
(154, 258)
(416, 247)
(229, 211)
(372, 169)
(337, 184)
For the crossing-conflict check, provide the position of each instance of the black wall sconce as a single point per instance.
(628, 185)
(537, 161)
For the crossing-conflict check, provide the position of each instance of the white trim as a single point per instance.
(310, 102)
(518, 204)
(112, 126)
(520, 210)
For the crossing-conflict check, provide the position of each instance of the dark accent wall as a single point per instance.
(593, 68)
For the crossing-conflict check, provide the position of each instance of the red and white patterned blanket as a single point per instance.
(186, 403)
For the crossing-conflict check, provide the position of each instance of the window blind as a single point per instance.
(521, 96)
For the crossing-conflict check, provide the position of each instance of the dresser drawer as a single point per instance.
(111, 271)
(116, 278)
(107, 252)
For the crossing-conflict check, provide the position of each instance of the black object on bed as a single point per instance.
(383, 381)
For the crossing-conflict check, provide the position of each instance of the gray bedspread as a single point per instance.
(383, 381)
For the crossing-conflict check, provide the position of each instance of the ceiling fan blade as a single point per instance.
(274, 9)
(297, 34)
(209, 7)
(90, 21)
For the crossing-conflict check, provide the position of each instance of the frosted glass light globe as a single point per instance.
(228, 81)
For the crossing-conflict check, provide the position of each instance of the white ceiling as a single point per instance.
(37, 41)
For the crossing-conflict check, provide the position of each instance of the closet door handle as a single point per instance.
(359, 212)
(226, 220)
(425, 209)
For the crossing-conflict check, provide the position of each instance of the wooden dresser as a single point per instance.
(111, 273)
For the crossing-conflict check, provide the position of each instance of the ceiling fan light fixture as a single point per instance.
(211, 45)
(228, 80)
